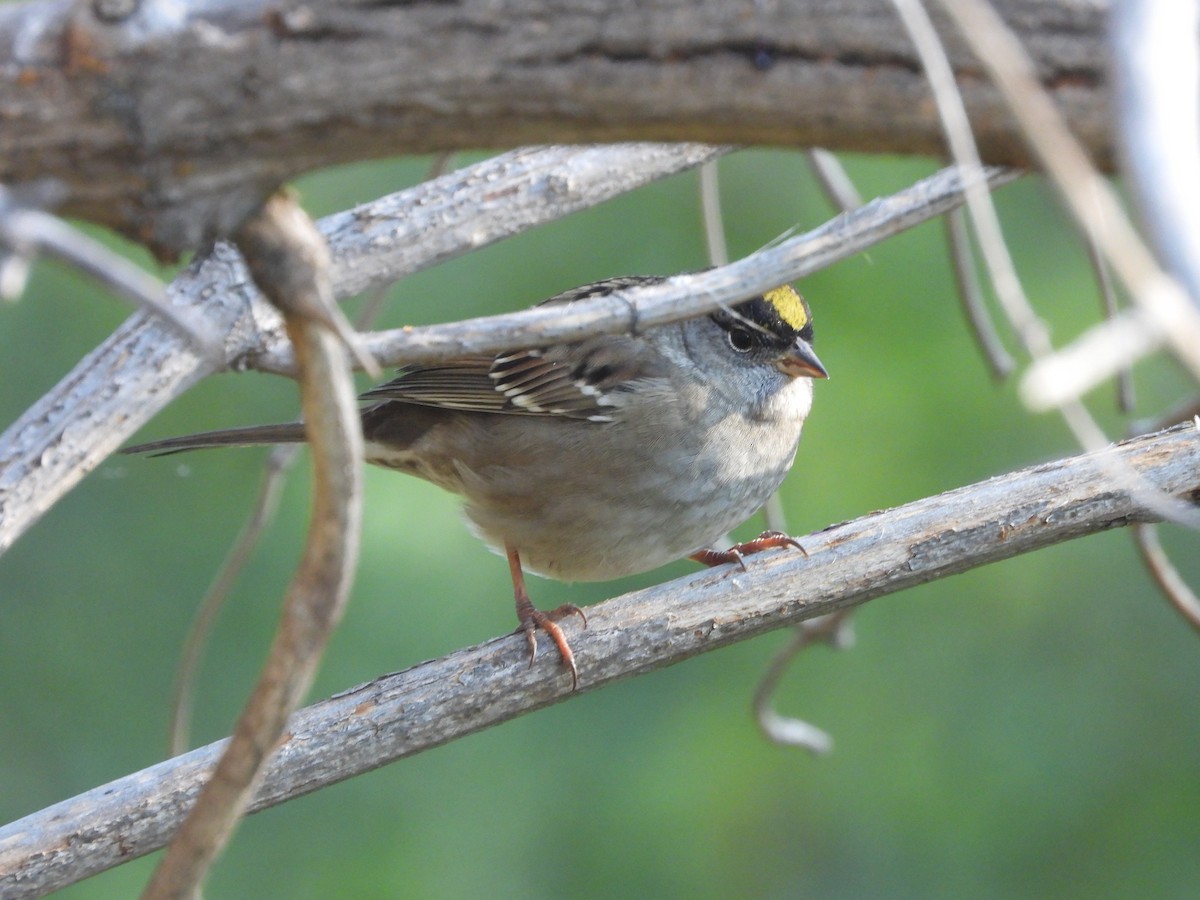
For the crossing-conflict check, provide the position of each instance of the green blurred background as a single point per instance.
(1028, 729)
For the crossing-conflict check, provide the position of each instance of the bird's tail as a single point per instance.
(253, 435)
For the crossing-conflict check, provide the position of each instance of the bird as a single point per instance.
(603, 457)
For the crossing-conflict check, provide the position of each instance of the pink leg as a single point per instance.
(532, 618)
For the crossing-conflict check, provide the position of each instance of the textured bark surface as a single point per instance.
(173, 123)
(430, 704)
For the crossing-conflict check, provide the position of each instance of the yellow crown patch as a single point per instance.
(789, 306)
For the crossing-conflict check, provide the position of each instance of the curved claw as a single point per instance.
(768, 540)
(532, 619)
(545, 621)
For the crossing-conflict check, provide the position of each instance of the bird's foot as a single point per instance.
(533, 618)
(768, 540)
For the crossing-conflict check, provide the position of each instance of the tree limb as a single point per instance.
(175, 122)
(435, 702)
(678, 297)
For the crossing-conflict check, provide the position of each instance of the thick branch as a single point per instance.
(436, 702)
(174, 123)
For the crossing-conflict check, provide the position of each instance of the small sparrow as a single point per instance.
(604, 457)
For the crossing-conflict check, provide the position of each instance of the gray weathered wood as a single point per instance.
(679, 296)
(435, 702)
(173, 123)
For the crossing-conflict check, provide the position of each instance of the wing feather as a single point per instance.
(570, 380)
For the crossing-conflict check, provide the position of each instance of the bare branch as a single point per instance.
(678, 297)
(26, 232)
(1167, 316)
(173, 123)
(436, 702)
(378, 242)
(966, 279)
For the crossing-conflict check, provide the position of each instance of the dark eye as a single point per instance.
(740, 340)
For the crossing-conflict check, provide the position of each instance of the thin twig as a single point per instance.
(1165, 575)
(1108, 299)
(833, 178)
(290, 264)
(440, 164)
(27, 232)
(263, 511)
(1031, 331)
(966, 277)
(676, 298)
(773, 513)
(710, 209)
(834, 629)
(435, 702)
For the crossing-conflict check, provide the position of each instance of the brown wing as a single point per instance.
(575, 380)
(458, 384)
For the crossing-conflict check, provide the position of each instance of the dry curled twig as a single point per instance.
(966, 278)
(835, 629)
(1165, 575)
(290, 263)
